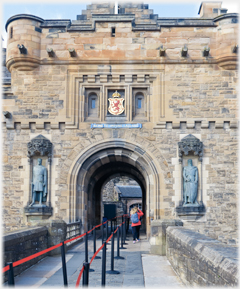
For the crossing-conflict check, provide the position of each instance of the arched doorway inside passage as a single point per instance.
(100, 161)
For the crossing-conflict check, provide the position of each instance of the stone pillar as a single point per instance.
(57, 232)
(158, 235)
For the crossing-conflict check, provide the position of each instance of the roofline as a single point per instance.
(23, 16)
(206, 2)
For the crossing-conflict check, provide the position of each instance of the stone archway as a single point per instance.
(100, 161)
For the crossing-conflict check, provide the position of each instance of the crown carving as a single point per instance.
(116, 94)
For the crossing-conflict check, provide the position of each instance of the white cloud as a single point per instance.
(232, 6)
(27, 11)
(58, 16)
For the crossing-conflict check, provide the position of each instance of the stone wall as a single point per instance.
(219, 163)
(22, 244)
(108, 193)
(200, 260)
(184, 95)
(110, 196)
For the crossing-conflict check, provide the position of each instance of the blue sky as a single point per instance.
(60, 10)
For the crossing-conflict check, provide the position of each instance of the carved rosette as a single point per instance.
(190, 144)
(40, 145)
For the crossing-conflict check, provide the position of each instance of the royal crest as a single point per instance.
(116, 104)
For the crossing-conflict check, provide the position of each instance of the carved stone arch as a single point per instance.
(91, 158)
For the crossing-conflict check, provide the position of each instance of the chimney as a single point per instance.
(211, 9)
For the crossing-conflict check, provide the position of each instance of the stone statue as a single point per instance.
(39, 184)
(190, 184)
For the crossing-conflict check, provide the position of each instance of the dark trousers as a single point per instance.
(135, 232)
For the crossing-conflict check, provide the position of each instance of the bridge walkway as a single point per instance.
(138, 269)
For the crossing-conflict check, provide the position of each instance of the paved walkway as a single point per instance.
(137, 269)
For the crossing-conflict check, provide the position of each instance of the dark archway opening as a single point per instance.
(99, 178)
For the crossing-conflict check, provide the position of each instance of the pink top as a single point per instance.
(140, 213)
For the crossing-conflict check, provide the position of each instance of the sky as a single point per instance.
(60, 10)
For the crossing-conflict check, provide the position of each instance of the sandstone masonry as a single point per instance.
(140, 55)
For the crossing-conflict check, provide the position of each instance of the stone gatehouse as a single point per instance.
(127, 94)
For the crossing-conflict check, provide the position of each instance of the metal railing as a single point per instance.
(73, 230)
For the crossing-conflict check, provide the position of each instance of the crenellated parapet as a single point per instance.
(135, 33)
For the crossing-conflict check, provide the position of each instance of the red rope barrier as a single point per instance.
(96, 253)
(67, 241)
(5, 269)
(91, 230)
(19, 262)
(35, 255)
(109, 238)
(79, 277)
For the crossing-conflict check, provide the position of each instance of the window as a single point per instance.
(92, 100)
(113, 31)
(139, 103)
(11, 33)
(93, 103)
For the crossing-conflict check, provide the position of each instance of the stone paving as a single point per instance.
(137, 269)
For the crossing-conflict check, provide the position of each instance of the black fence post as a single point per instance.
(64, 267)
(118, 238)
(122, 237)
(112, 271)
(124, 232)
(85, 274)
(86, 247)
(127, 224)
(10, 274)
(104, 265)
(94, 244)
(107, 235)
(111, 226)
(126, 228)
(86, 252)
(102, 233)
(107, 230)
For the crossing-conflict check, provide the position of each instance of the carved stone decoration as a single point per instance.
(22, 49)
(184, 51)
(7, 114)
(40, 145)
(190, 209)
(162, 51)
(50, 52)
(116, 104)
(190, 144)
(39, 180)
(72, 52)
(206, 51)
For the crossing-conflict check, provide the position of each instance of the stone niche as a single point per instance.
(191, 205)
(39, 158)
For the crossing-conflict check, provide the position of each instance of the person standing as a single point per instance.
(135, 215)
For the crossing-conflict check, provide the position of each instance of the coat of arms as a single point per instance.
(116, 104)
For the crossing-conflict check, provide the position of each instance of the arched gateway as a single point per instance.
(100, 161)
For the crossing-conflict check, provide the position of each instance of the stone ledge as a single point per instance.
(230, 124)
(192, 124)
(201, 260)
(25, 234)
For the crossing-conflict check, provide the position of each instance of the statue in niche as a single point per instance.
(39, 184)
(190, 184)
